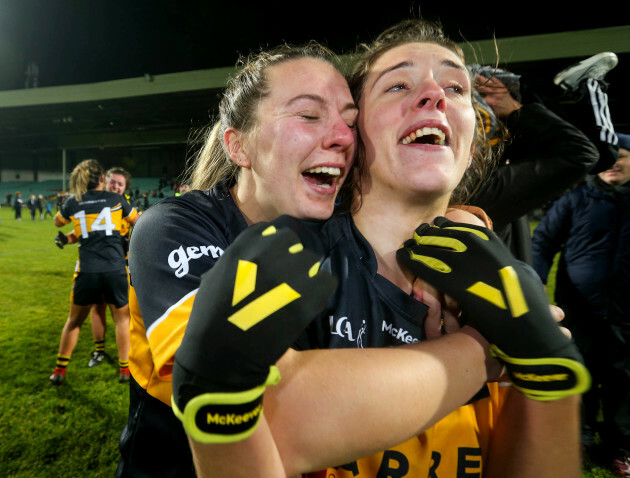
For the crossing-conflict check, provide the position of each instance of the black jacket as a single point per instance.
(591, 225)
(545, 157)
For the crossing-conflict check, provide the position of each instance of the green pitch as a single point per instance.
(48, 431)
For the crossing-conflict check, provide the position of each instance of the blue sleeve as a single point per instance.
(551, 234)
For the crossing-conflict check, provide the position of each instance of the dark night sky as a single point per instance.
(83, 41)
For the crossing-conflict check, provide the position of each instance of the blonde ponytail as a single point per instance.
(85, 176)
(212, 163)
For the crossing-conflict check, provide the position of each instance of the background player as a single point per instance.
(97, 216)
(117, 180)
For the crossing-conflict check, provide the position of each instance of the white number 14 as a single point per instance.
(102, 222)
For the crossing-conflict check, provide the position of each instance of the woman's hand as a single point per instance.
(443, 315)
(504, 299)
(497, 95)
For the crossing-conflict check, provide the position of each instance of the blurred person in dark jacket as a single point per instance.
(546, 155)
(590, 227)
(32, 206)
(17, 205)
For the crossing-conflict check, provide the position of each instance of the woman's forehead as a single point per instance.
(417, 54)
(119, 178)
(304, 76)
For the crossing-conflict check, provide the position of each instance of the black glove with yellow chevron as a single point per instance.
(249, 309)
(504, 299)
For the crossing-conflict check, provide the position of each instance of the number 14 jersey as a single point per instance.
(97, 221)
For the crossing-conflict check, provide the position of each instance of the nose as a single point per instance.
(340, 136)
(431, 96)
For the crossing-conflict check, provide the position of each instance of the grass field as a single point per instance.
(47, 431)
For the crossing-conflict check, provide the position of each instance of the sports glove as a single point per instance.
(250, 307)
(504, 299)
(61, 240)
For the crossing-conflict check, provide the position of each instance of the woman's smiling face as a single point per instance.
(304, 141)
(417, 121)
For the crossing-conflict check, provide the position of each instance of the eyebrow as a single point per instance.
(321, 100)
(408, 64)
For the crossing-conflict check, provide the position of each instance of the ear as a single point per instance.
(233, 141)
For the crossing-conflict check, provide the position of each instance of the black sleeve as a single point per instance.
(171, 246)
(545, 157)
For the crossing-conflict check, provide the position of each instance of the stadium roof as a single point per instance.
(166, 108)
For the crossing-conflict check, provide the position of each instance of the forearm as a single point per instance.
(535, 439)
(255, 456)
(72, 237)
(335, 406)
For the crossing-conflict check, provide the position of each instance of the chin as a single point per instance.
(434, 185)
(319, 212)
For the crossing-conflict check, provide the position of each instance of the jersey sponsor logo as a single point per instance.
(179, 258)
(395, 464)
(399, 333)
(342, 327)
(93, 201)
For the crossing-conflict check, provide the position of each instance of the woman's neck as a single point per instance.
(246, 203)
(386, 225)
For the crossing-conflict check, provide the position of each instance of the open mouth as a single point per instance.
(323, 176)
(425, 136)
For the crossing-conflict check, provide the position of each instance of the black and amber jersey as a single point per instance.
(177, 240)
(454, 447)
(369, 311)
(97, 220)
(366, 309)
(125, 228)
(172, 244)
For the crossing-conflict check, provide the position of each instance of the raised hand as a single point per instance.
(503, 299)
(250, 307)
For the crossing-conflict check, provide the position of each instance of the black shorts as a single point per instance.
(97, 287)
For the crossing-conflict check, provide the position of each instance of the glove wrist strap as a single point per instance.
(547, 378)
(225, 417)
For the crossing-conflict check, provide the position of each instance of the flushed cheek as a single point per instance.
(464, 142)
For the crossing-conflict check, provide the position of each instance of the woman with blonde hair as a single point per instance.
(283, 144)
(97, 217)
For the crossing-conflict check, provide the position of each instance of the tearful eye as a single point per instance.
(457, 89)
(397, 87)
